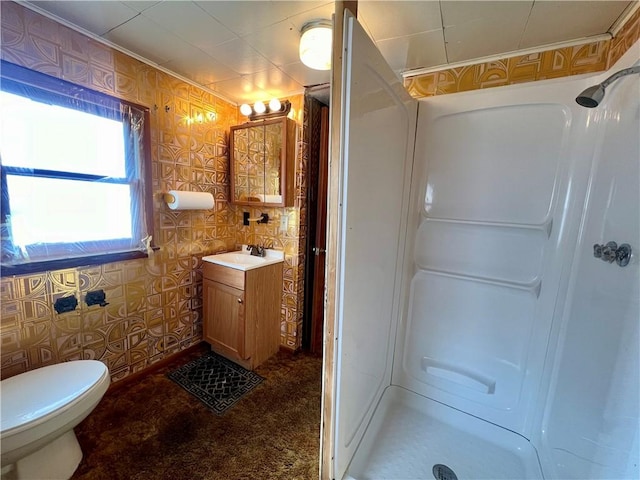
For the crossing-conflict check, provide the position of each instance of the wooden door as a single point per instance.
(320, 249)
(224, 323)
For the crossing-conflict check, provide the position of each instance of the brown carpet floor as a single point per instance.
(154, 429)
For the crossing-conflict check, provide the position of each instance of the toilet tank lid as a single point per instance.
(32, 395)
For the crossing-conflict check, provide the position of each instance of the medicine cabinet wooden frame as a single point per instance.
(287, 164)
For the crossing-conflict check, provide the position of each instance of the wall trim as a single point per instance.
(624, 18)
(136, 377)
(502, 56)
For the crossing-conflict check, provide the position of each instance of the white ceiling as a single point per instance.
(248, 50)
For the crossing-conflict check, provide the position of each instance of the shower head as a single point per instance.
(592, 96)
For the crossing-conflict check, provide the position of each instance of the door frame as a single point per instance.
(327, 426)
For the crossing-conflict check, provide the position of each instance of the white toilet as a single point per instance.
(38, 410)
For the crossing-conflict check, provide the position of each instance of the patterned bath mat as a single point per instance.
(215, 381)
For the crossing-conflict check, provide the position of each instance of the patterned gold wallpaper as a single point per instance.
(562, 62)
(155, 304)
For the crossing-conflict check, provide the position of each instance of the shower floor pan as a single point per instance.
(410, 434)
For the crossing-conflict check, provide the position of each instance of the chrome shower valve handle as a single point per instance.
(623, 254)
(612, 253)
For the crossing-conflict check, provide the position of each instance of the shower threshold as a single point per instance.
(414, 437)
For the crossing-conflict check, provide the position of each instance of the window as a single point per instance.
(73, 169)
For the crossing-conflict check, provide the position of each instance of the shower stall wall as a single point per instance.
(591, 423)
(477, 334)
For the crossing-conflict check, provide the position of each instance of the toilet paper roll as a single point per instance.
(190, 200)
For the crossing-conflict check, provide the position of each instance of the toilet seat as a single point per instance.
(36, 396)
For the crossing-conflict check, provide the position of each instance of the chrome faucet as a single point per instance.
(256, 250)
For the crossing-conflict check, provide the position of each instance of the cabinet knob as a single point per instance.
(239, 300)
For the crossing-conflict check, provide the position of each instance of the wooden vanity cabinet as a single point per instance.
(242, 312)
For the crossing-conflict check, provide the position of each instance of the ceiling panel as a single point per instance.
(389, 19)
(279, 42)
(306, 76)
(200, 67)
(141, 5)
(148, 39)
(291, 8)
(323, 12)
(96, 17)
(189, 22)
(414, 51)
(241, 89)
(275, 82)
(245, 17)
(498, 24)
(559, 21)
(459, 12)
(240, 56)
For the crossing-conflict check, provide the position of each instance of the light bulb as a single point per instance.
(245, 109)
(274, 105)
(259, 107)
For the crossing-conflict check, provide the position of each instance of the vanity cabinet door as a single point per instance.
(224, 319)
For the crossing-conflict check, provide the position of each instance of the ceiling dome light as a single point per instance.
(259, 107)
(274, 105)
(315, 45)
(245, 109)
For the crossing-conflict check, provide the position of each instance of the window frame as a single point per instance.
(137, 174)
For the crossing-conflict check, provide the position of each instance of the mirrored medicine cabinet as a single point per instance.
(262, 156)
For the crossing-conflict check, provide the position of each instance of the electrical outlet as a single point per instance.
(284, 223)
(96, 297)
(66, 304)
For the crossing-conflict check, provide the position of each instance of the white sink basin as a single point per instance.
(242, 260)
(239, 258)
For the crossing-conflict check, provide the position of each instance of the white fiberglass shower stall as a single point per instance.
(477, 336)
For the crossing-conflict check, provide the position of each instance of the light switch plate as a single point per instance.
(284, 223)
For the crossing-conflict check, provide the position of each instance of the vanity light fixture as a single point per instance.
(315, 44)
(260, 111)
